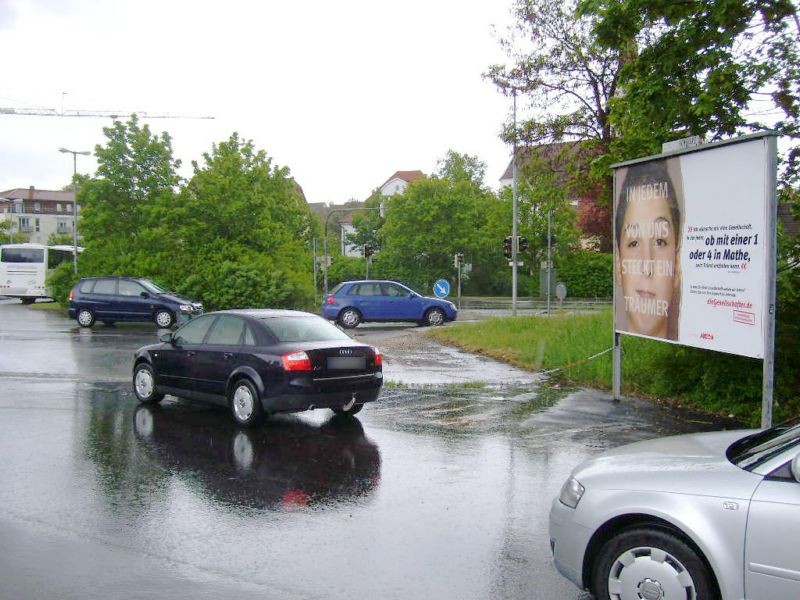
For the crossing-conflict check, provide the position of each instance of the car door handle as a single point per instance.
(190, 353)
(227, 355)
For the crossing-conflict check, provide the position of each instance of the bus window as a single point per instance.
(22, 255)
(56, 257)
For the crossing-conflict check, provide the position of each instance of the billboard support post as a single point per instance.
(616, 384)
(616, 355)
(769, 325)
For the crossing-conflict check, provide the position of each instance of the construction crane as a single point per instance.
(52, 112)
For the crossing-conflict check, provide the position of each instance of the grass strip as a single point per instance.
(703, 380)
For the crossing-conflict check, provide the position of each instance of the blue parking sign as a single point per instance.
(441, 288)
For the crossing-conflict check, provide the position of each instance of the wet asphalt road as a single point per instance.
(441, 489)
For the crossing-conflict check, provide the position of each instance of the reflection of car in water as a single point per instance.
(287, 463)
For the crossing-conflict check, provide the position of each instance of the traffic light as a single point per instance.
(523, 244)
(368, 251)
(507, 251)
(459, 259)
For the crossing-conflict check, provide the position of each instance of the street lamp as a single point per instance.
(75, 179)
(515, 215)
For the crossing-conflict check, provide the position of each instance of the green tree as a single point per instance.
(564, 77)
(241, 232)
(59, 239)
(15, 237)
(431, 221)
(367, 223)
(124, 205)
(462, 167)
(712, 68)
(567, 82)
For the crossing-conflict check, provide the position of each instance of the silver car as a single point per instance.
(709, 515)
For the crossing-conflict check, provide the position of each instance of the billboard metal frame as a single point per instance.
(770, 194)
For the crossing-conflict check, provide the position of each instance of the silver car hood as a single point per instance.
(683, 464)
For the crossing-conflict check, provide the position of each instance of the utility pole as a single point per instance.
(75, 212)
(515, 217)
(549, 256)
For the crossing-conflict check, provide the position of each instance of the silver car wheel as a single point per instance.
(350, 318)
(243, 403)
(164, 319)
(144, 383)
(85, 318)
(651, 574)
(435, 317)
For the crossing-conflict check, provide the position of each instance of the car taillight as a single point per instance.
(296, 361)
(71, 295)
(330, 299)
(378, 358)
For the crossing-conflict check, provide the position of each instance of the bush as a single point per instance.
(61, 281)
(346, 268)
(250, 282)
(587, 274)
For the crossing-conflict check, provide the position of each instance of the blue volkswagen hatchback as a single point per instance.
(353, 302)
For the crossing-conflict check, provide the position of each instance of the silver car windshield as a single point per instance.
(756, 449)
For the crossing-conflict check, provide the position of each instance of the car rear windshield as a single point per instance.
(22, 255)
(756, 449)
(303, 329)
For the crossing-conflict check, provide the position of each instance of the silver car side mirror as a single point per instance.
(794, 467)
(166, 338)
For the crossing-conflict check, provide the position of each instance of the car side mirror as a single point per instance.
(144, 295)
(167, 338)
(795, 468)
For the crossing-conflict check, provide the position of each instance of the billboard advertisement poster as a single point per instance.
(691, 247)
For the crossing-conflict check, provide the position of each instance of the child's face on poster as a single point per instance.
(646, 265)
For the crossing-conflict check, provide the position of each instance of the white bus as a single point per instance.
(24, 269)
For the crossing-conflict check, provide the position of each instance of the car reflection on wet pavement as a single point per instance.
(286, 464)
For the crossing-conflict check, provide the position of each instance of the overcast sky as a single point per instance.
(342, 93)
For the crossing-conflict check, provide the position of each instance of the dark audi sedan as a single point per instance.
(259, 362)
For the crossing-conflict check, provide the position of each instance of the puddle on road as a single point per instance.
(432, 387)
(416, 360)
(464, 410)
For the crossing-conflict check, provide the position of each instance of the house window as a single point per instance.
(25, 225)
(63, 227)
(37, 206)
(58, 207)
(37, 225)
(69, 208)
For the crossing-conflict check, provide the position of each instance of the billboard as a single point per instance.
(691, 248)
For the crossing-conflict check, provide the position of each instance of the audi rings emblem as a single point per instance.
(345, 352)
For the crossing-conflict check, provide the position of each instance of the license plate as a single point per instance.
(347, 362)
